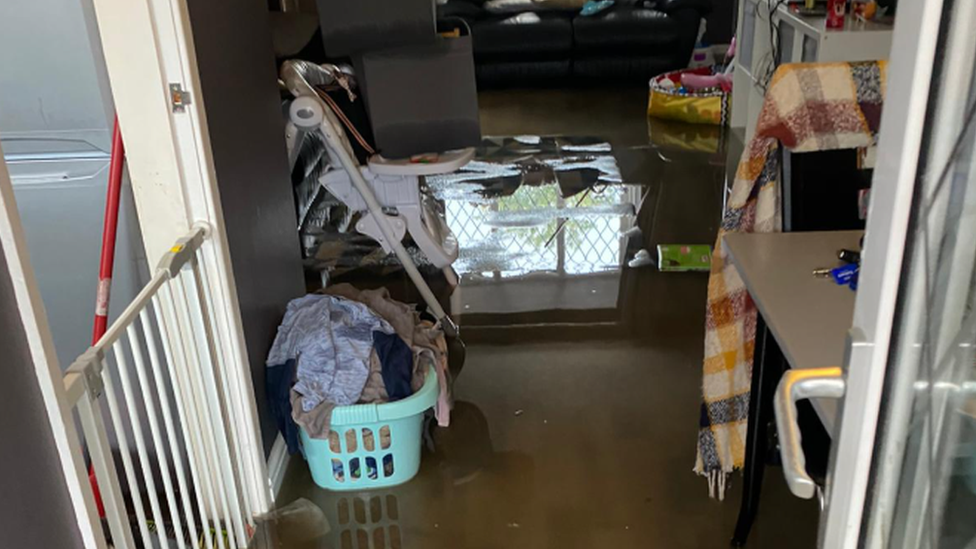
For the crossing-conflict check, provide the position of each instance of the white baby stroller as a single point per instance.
(387, 191)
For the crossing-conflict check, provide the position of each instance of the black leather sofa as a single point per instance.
(627, 43)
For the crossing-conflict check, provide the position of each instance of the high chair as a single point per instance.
(388, 191)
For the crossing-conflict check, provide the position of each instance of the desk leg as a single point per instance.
(765, 376)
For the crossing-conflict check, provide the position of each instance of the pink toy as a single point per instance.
(695, 80)
(700, 81)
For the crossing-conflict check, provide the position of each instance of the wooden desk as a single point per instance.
(808, 317)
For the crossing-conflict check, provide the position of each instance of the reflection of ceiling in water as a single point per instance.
(538, 204)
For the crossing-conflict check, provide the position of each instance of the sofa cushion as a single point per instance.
(701, 6)
(627, 29)
(460, 9)
(509, 6)
(561, 4)
(524, 37)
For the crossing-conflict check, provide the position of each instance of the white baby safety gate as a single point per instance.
(159, 372)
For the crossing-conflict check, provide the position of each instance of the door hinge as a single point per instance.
(178, 97)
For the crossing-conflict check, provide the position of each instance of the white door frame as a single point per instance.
(45, 361)
(908, 86)
(148, 46)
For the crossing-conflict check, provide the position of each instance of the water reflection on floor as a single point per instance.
(542, 213)
(533, 204)
(577, 410)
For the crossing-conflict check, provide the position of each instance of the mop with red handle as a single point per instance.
(107, 261)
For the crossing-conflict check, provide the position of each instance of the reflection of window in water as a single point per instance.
(552, 204)
(507, 236)
(368, 522)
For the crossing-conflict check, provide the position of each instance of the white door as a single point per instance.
(903, 467)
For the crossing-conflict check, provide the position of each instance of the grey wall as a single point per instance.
(52, 91)
(55, 126)
(63, 219)
(239, 80)
(35, 509)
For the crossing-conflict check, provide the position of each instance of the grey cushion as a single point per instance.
(509, 6)
(462, 9)
(635, 30)
(670, 6)
(523, 39)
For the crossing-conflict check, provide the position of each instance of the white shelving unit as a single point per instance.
(800, 39)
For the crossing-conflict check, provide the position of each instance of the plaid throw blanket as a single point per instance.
(808, 107)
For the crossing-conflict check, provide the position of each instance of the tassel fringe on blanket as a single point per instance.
(808, 107)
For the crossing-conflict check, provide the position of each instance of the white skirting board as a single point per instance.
(278, 465)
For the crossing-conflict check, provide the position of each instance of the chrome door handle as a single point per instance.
(799, 385)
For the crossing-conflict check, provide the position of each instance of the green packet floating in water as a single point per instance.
(684, 257)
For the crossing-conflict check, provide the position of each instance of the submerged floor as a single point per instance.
(577, 409)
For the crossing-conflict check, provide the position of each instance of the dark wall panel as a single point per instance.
(244, 116)
(35, 509)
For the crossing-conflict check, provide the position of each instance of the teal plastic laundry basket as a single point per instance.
(378, 445)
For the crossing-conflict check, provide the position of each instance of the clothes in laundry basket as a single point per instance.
(369, 440)
(316, 421)
(277, 388)
(431, 347)
(390, 354)
(397, 365)
(427, 342)
(375, 389)
(356, 471)
(401, 316)
(331, 339)
(329, 342)
(349, 347)
(355, 465)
